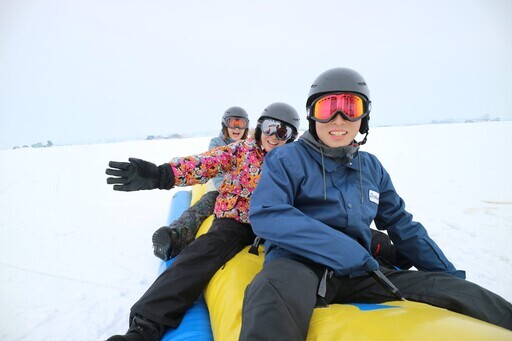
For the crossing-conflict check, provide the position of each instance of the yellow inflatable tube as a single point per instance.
(396, 320)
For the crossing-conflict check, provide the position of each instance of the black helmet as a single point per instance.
(234, 112)
(282, 112)
(340, 80)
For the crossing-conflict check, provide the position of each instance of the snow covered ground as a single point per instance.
(75, 255)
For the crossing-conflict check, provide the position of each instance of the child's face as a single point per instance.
(338, 132)
(235, 133)
(270, 142)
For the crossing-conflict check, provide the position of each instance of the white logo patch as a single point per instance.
(373, 196)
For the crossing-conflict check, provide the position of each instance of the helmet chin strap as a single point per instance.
(363, 141)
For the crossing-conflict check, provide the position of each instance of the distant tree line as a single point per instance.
(36, 145)
(160, 137)
(484, 118)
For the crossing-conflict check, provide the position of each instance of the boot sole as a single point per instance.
(162, 243)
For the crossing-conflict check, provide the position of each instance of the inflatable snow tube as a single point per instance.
(196, 322)
(396, 320)
(179, 203)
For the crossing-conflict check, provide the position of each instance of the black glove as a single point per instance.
(139, 175)
(386, 253)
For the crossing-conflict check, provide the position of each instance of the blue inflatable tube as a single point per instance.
(196, 322)
(179, 203)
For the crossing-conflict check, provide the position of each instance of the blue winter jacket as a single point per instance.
(304, 214)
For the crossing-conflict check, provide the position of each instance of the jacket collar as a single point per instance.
(331, 164)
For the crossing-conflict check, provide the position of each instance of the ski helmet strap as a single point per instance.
(364, 139)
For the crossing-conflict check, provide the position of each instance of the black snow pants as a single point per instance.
(279, 302)
(181, 284)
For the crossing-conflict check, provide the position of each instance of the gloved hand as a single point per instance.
(386, 253)
(139, 175)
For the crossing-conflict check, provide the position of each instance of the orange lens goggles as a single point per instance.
(236, 122)
(351, 107)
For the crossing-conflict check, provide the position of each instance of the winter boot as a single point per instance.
(141, 329)
(163, 241)
(168, 241)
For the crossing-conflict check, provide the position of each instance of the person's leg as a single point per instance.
(435, 288)
(169, 241)
(187, 226)
(179, 286)
(279, 302)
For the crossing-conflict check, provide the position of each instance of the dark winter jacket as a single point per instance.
(325, 218)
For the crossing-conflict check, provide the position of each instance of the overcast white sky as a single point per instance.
(85, 71)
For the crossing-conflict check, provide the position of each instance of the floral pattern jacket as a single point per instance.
(240, 162)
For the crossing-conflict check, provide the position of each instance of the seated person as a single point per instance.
(168, 241)
(325, 194)
(179, 286)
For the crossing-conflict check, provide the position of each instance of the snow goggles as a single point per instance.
(236, 122)
(351, 107)
(282, 131)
